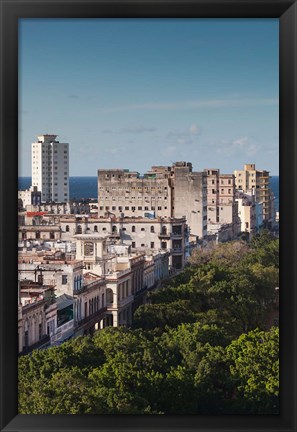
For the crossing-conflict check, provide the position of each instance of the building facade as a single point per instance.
(50, 168)
(163, 191)
(222, 207)
(29, 197)
(247, 212)
(251, 179)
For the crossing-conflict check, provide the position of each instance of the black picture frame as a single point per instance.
(11, 11)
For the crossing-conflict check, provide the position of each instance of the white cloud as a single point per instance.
(242, 145)
(187, 136)
(194, 129)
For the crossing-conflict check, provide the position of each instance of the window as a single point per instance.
(95, 228)
(78, 229)
(139, 208)
(159, 208)
(133, 208)
(142, 229)
(88, 248)
(145, 208)
(126, 208)
(67, 228)
(152, 245)
(133, 245)
(133, 228)
(164, 245)
(64, 279)
(152, 229)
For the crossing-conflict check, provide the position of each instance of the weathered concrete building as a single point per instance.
(249, 178)
(222, 207)
(163, 191)
(247, 212)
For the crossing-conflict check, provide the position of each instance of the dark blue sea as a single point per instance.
(86, 187)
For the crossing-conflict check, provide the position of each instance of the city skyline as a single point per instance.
(128, 93)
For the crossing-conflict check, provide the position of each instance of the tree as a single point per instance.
(254, 368)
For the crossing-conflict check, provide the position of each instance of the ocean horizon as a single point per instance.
(86, 187)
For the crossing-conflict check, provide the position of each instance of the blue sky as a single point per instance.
(131, 93)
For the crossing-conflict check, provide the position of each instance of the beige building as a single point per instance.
(123, 273)
(247, 212)
(222, 209)
(29, 197)
(163, 191)
(143, 233)
(248, 179)
(37, 315)
(89, 305)
(51, 269)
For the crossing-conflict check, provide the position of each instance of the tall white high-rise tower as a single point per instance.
(50, 168)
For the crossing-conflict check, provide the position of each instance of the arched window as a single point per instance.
(95, 228)
(109, 295)
(114, 229)
(67, 228)
(152, 229)
(133, 228)
(52, 235)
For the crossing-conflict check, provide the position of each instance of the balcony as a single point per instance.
(115, 235)
(176, 251)
(92, 319)
(163, 235)
(176, 235)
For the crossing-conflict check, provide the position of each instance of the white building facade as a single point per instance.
(50, 168)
